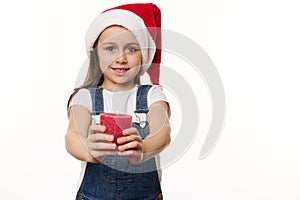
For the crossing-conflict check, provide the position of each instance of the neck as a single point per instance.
(117, 86)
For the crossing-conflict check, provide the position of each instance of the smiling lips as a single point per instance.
(120, 71)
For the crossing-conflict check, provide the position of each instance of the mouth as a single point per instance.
(120, 70)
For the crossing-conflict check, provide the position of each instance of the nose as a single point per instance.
(122, 59)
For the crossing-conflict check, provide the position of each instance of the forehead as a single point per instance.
(116, 34)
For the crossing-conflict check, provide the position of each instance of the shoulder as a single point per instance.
(156, 91)
(83, 98)
(82, 94)
(155, 94)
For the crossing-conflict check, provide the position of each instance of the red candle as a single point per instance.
(115, 123)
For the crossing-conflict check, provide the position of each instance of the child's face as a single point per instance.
(119, 55)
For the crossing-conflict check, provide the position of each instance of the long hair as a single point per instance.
(94, 76)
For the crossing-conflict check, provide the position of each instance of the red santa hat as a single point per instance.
(144, 21)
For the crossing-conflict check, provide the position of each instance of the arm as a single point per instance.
(75, 139)
(87, 142)
(139, 150)
(160, 130)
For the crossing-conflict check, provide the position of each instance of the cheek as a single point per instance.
(136, 61)
(105, 61)
(134, 72)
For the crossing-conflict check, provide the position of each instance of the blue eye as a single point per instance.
(111, 49)
(131, 49)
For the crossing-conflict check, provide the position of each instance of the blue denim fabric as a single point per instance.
(116, 177)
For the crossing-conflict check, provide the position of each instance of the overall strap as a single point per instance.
(141, 99)
(97, 100)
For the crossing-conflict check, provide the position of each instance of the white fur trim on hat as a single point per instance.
(128, 20)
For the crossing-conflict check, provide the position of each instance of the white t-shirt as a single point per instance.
(122, 102)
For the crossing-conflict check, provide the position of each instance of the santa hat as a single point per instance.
(144, 21)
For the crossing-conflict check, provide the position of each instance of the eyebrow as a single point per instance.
(107, 43)
(133, 43)
(113, 43)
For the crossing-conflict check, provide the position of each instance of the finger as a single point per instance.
(131, 145)
(130, 138)
(97, 128)
(127, 153)
(99, 146)
(100, 137)
(97, 154)
(130, 131)
(130, 153)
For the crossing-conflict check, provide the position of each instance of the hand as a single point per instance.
(131, 145)
(99, 143)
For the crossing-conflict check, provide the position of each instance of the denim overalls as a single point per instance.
(116, 178)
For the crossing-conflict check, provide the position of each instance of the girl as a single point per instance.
(122, 44)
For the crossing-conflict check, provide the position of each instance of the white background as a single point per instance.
(255, 47)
